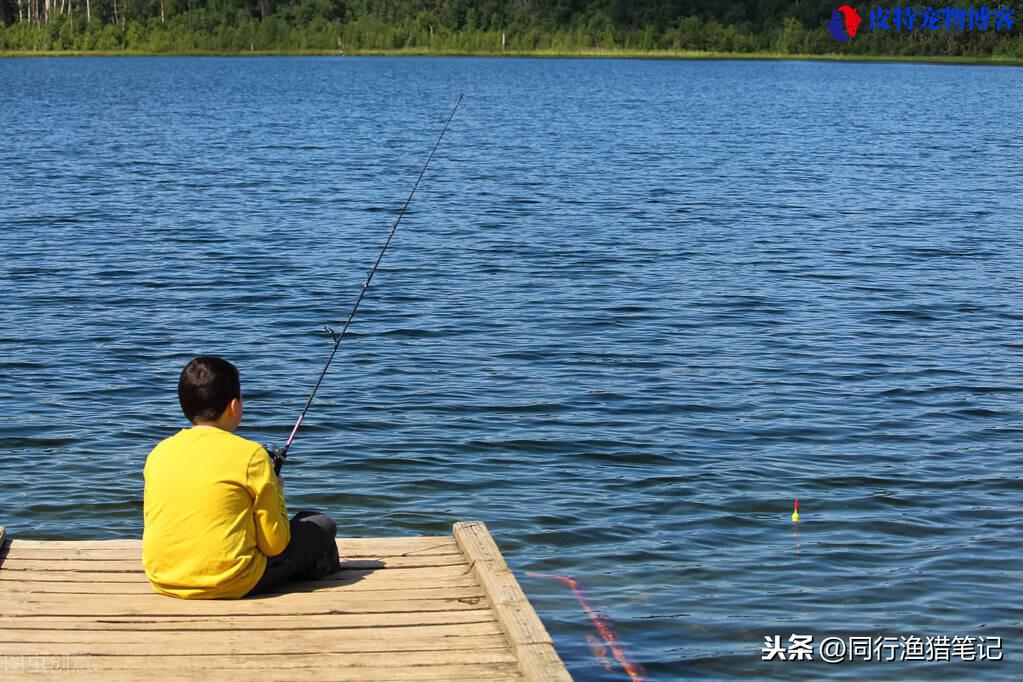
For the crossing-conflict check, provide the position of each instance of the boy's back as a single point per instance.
(213, 513)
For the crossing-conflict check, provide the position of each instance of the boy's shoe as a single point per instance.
(325, 564)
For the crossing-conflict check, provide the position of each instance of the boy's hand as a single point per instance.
(277, 456)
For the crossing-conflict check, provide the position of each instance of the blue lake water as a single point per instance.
(636, 309)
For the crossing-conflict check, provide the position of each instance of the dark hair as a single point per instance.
(206, 387)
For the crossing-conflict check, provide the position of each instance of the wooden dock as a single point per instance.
(411, 608)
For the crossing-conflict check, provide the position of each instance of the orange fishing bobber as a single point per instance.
(795, 512)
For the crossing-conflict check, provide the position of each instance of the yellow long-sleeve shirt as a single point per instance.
(213, 514)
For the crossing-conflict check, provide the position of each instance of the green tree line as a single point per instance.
(489, 26)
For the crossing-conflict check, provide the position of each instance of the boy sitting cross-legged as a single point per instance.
(215, 521)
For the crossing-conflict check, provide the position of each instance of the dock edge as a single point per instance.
(529, 639)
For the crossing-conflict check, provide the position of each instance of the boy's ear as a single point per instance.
(235, 407)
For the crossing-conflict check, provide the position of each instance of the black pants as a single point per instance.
(312, 536)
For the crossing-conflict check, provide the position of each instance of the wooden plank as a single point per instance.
(143, 587)
(327, 637)
(262, 644)
(529, 638)
(135, 566)
(155, 604)
(278, 622)
(162, 658)
(346, 575)
(409, 540)
(357, 548)
(96, 544)
(412, 542)
(52, 554)
(85, 566)
(395, 591)
(333, 592)
(43, 670)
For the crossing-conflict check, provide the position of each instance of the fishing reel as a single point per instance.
(277, 456)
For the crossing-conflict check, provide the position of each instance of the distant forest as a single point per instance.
(471, 27)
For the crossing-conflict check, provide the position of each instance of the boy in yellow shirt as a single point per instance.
(216, 525)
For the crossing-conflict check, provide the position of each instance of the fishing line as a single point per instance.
(634, 670)
(278, 455)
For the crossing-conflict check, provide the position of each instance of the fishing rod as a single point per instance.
(279, 454)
